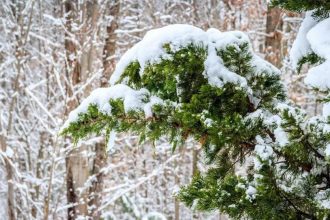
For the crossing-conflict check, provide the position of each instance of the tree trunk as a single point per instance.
(76, 161)
(110, 44)
(194, 161)
(12, 211)
(9, 176)
(100, 159)
(274, 25)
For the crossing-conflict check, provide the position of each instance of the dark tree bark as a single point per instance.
(274, 25)
(110, 44)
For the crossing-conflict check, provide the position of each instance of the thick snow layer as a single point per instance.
(132, 99)
(217, 74)
(319, 76)
(150, 50)
(319, 40)
(301, 45)
(313, 36)
(215, 71)
(262, 67)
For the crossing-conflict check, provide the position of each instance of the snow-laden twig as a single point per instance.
(41, 106)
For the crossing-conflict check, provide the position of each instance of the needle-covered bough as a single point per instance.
(265, 159)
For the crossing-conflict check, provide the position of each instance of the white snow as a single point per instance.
(154, 216)
(257, 165)
(270, 120)
(215, 71)
(147, 106)
(217, 74)
(263, 151)
(222, 39)
(322, 198)
(251, 193)
(262, 67)
(111, 141)
(319, 40)
(326, 109)
(291, 182)
(326, 128)
(281, 136)
(208, 122)
(313, 36)
(319, 76)
(132, 99)
(327, 150)
(3, 193)
(150, 50)
(301, 46)
(9, 152)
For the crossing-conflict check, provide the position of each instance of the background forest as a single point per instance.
(53, 53)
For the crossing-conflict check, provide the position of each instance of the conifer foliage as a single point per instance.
(321, 7)
(266, 159)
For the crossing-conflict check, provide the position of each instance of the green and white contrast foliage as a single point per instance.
(265, 159)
